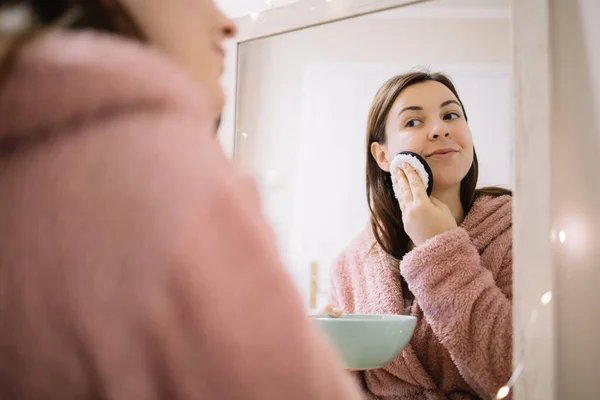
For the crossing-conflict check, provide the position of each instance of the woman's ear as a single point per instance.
(379, 154)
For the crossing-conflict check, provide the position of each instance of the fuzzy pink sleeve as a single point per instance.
(467, 309)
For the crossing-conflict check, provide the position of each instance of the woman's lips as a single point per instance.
(443, 154)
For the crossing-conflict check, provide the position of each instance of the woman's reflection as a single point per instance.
(445, 259)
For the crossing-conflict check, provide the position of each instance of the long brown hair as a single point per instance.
(101, 15)
(386, 217)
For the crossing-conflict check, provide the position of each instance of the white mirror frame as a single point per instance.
(532, 252)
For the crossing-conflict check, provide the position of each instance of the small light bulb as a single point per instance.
(503, 392)
(562, 236)
(547, 298)
(244, 134)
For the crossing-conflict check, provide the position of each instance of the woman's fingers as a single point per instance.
(417, 188)
(332, 311)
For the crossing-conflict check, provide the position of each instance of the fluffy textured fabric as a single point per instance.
(135, 261)
(420, 166)
(462, 282)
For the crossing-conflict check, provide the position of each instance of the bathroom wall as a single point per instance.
(309, 164)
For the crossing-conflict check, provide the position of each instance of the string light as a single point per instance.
(505, 390)
(562, 236)
(547, 298)
(254, 16)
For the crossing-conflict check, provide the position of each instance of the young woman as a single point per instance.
(445, 259)
(135, 263)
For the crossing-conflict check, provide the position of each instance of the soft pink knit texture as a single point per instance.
(462, 282)
(135, 261)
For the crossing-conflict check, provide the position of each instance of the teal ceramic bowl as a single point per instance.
(367, 341)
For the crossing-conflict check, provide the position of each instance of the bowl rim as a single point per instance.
(364, 318)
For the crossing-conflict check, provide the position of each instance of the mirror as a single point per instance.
(302, 105)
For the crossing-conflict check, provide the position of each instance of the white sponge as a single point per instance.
(418, 163)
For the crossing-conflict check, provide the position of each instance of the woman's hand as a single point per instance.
(331, 310)
(424, 217)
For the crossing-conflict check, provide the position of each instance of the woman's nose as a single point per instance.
(229, 29)
(438, 130)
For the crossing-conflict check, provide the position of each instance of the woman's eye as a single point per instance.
(412, 123)
(452, 115)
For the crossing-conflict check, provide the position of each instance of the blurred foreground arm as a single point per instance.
(161, 278)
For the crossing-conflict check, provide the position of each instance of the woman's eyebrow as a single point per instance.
(448, 102)
(409, 108)
(419, 108)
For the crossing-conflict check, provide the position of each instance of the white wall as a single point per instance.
(238, 8)
(303, 101)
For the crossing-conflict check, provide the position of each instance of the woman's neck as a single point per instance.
(451, 197)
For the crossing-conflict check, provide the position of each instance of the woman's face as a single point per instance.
(191, 32)
(427, 119)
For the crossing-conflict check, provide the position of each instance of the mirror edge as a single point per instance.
(532, 252)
